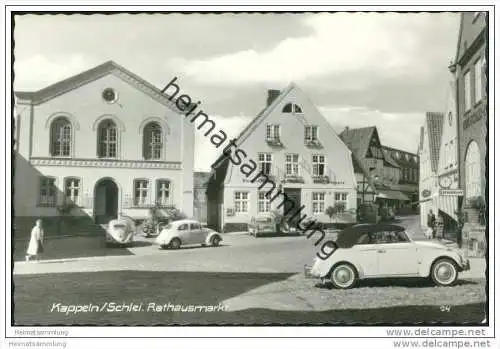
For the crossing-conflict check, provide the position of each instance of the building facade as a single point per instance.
(296, 148)
(385, 175)
(200, 203)
(429, 148)
(471, 94)
(98, 145)
(449, 189)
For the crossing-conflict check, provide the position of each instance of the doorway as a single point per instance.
(105, 201)
(292, 205)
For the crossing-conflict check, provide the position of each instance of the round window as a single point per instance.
(109, 95)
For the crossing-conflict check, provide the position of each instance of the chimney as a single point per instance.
(271, 96)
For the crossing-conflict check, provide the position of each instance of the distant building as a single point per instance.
(393, 173)
(298, 159)
(430, 143)
(447, 171)
(200, 203)
(98, 145)
(469, 68)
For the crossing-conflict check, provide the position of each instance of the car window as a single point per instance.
(363, 240)
(195, 226)
(388, 237)
(183, 227)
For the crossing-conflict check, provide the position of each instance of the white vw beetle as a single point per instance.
(187, 232)
(386, 251)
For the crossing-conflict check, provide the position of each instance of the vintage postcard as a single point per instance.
(240, 169)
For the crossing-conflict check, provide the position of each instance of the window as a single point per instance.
(195, 226)
(478, 86)
(388, 237)
(265, 161)
(467, 91)
(318, 165)
(273, 132)
(264, 204)
(291, 108)
(241, 202)
(183, 227)
(60, 135)
(287, 108)
(109, 95)
(292, 164)
(162, 192)
(311, 133)
(47, 191)
(108, 139)
(140, 192)
(152, 141)
(340, 196)
(72, 190)
(473, 171)
(318, 201)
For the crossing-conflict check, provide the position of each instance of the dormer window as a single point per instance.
(292, 108)
(311, 133)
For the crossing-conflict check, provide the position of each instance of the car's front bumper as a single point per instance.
(465, 265)
(310, 273)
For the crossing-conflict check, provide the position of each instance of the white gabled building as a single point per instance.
(430, 142)
(99, 144)
(296, 148)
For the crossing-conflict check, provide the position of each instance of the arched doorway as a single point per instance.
(105, 201)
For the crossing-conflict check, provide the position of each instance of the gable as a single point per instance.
(434, 125)
(80, 80)
(358, 140)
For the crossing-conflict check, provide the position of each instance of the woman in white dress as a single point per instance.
(35, 246)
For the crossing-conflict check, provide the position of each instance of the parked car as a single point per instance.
(262, 225)
(120, 232)
(368, 213)
(187, 232)
(386, 251)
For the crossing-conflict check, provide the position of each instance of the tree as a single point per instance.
(330, 211)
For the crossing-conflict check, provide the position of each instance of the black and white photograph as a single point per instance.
(305, 169)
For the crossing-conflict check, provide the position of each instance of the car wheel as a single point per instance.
(344, 276)
(175, 243)
(215, 241)
(444, 272)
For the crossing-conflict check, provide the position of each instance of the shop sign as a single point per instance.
(451, 192)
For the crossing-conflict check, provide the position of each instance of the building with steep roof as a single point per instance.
(98, 145)
(288, 158)
(394, 172)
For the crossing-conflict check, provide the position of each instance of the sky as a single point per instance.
(359, 69)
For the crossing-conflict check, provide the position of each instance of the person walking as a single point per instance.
(431, 223)
(35, 246)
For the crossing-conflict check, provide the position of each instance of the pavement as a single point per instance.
(257, 273)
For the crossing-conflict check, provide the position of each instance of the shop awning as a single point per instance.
(392, 195)
(449, 205)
